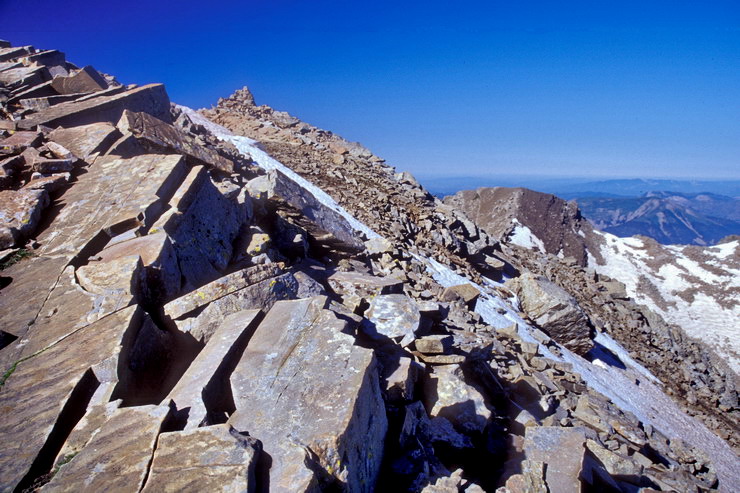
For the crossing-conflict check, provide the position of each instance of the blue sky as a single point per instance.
(638, 89)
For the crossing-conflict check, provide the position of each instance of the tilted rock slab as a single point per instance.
(214, 458)
(554, 311)
(312, 397)
(41, 397)
(562, 450)
(118, 456)
(205, 376)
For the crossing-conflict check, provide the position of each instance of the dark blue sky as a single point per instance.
(645, 89)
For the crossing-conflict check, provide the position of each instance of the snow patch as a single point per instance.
(524, 237)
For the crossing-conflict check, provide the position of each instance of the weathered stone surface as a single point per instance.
(21, 300)
(324, 217)
(85, 140)
(120, 276)
(394, 316)
(202, 225)
(118, 456)
(50, 183)
(160, 278)
(18, 78)
(553, 310)
(20, 141)
(219, 288)
(400, 379)
(466, 292)
(561, 450)
(447, 394)
(435, 344)
(11, 53)
(616, 465)
(261, 295)
(311, 411)
(87, 79)
(215, 458)
(150, 98)
(158, 135)
(113, 196)
(354, 287)
(20, 213)
(200, 390)
(42, 387)
(47, 166)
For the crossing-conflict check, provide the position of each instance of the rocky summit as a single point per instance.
(232, 299)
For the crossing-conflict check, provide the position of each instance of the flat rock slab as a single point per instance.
(115, 194)
(159, 135)
(261, 295)
(562, 451)
(85, 140)
(20, 213)
(214, 458)
(394, 316)
(200, 388)
(312, 397)
(36, 393)
(448, 395)
(219, 288)
(151, 98)
(354, 287)
(554, 311)
(118, 456)
(87, 79)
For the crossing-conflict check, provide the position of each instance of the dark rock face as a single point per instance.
(555, 222)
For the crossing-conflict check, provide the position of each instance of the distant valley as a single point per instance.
(669, 211)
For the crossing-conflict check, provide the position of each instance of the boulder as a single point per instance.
(447, 394)
(554, 311)
(311, 395)
(87, 79)
(20, 213)
(214, 458)
(354, 287)
(393, 316)
(465, 292)
(562, 451)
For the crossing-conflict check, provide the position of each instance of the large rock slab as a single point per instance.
(262, 294)
(58, 382)
(20, 213)
(200, 389)
(219, 288)
(118, 456)
(393, 316)
(87, 79)
(354, 287)
(202, 224)
(562, 451)
(85, 140)
(312, 397)
(151, 98)
(115, 195)
(554, 311)
(448, 395)
(215, 458)
(157, 135)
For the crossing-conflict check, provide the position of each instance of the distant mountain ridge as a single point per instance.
(667, 217)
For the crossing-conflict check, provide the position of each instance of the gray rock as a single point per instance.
(447, 394)
(562, 451)
(312, 397)
(87, 79)
(394, 316)
(215, 458)
(20, 213)
(354, 287)
(554, 311)
(85, 140)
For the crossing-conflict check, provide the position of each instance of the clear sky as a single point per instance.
(597, 88)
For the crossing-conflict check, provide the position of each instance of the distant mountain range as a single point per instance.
(669, 211)
(667, 217)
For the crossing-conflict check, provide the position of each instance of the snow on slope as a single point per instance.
(696, 288)
(524, 237)
(632, 389)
